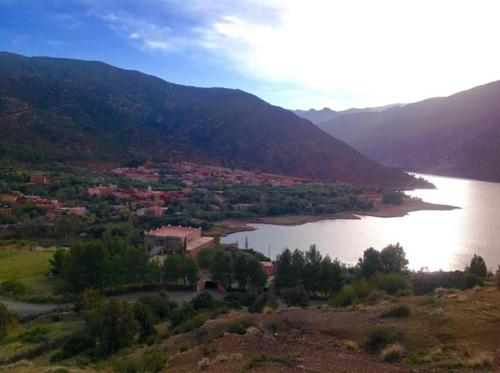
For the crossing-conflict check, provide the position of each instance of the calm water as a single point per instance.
(432, 239)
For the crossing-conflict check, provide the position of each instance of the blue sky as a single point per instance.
(296, 54)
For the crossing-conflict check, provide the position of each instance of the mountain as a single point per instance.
(317, 116)
(326, 114)
(457, 135)
(75, 111)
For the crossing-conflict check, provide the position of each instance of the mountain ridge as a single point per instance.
(102, 112)
(457, 135)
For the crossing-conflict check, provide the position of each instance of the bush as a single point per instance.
(427, 282)
(238, 326)
(295, 297)
(380, 338)
(392, 283)
(350, 294)
(7, 320)
(497, 277)
(392, 353)
(477, 267)
(203, 301)
(151, 361)
(160, 305)
(36, 335)
(401, 310)
(14, 287)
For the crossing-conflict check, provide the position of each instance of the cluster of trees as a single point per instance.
(228, 267)
(111, 263)
(390, 259)
(309, 270)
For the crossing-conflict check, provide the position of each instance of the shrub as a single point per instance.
(35, 335)
(275, 326)
(203, 301)
(295, 297)
(77, 343)
(401, 310)
(497, 277)
(392, 282)
(376, 296)
(345, 297)
(427, 282)
(477, 266)
(238, 326)
(392, 353)
(14, 287)
(377, 339)
(160, 305)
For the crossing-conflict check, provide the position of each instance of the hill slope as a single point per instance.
(327, 114)
(457, 135)
(63, 109)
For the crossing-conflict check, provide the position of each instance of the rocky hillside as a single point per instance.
(69, 110)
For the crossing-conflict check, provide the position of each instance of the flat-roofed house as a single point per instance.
(172, 239)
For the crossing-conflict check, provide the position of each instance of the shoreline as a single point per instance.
(225, 227)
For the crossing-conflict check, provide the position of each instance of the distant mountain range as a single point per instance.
(66, 110)
(457, 135)
(325, 114)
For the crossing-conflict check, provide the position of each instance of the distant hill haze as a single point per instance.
(66, 110)
(326, 114)
(457, 135)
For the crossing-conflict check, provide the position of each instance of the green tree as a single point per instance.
(371, 262)
(331, 276)
(285, 276)
(241, 269)
(56, 263)
(393, 258)
(477, 266)
(257, 275)
(145, 319)
(221, 267)
(172, 268)
(111, 327)
(312, 270)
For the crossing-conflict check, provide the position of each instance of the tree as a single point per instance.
(371, 262)
(295, 296)
(285, 276)
(331, 276)
(257, 275)
(477, 266)
(312, 271)
(145, 319)
(111, 327)
(86, 265)
(221, 267)
(393, 258)
(56, 263)
(241, 270)
(172, 268)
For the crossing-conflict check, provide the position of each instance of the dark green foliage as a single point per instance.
(426, 282)
(221, 267)
(160, 305)
(180, 267)
(296, 296)
(203, 301)
(398, 311)
(371, 262)
(377, 339)
(477, 267)
(88, 300)
(238, 326)
(35, 335)
(350, 294)
(392, 283)
(145, 319)
(393, 258)
(393, 197)
(78, 343)
(56, 263)
(317, 274)
(111, 327)
(14, 287)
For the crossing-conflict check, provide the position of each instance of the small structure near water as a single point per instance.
(176, 239)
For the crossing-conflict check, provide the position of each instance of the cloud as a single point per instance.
(332, 52)
(372, 52)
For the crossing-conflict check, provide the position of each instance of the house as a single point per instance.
(269, 268)
(171, 239)
(39, 179)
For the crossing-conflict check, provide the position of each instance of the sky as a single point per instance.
(292, 53)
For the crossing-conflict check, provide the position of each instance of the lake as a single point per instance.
(432, 239)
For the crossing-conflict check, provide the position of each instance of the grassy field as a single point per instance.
(21, 263)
